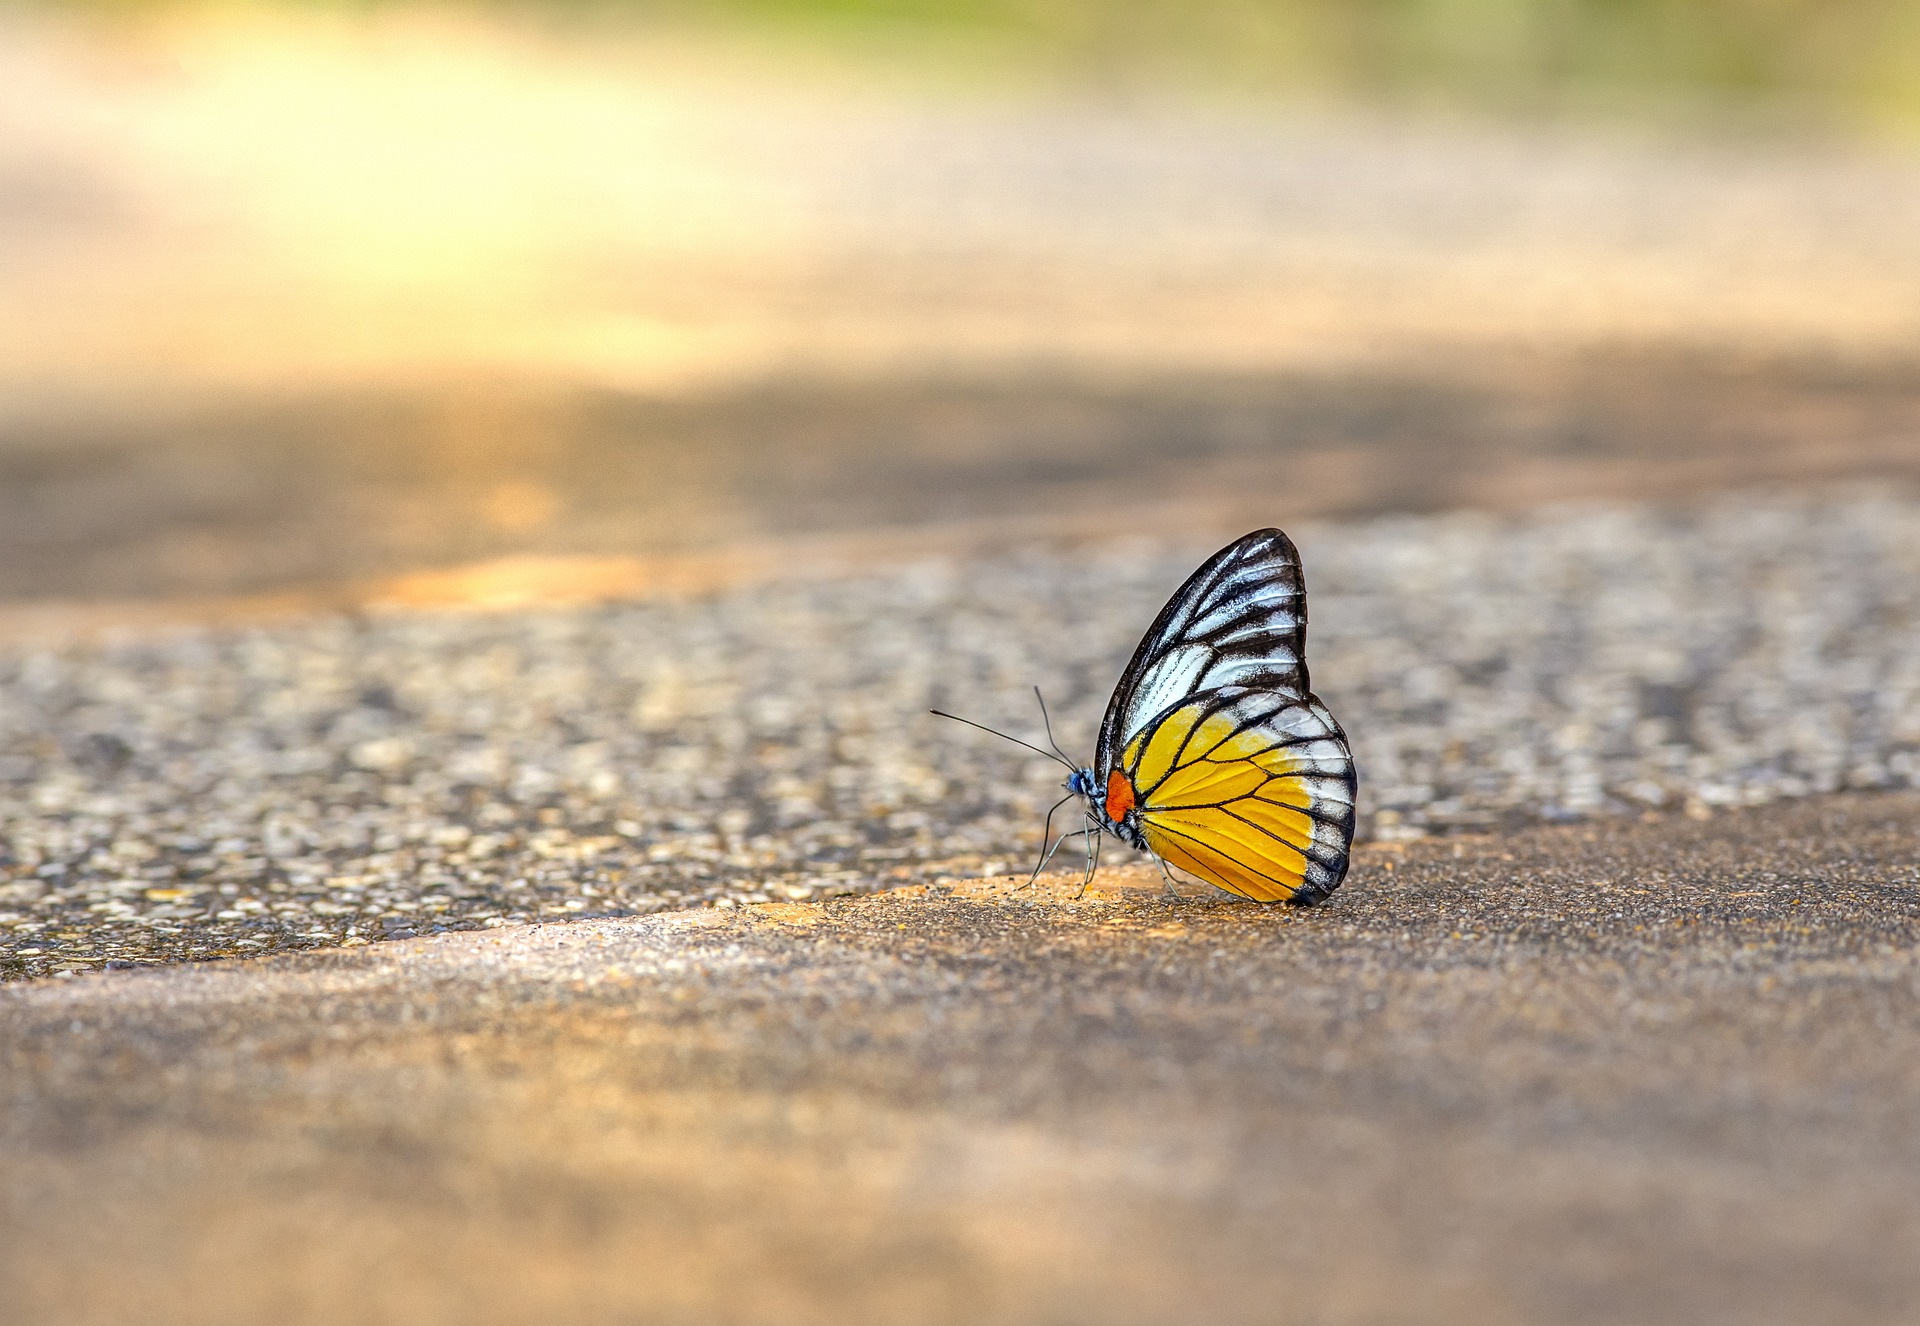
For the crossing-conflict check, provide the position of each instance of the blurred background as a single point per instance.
(312, 298)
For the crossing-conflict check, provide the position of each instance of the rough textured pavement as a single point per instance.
(1657, 1070)
(354, 779)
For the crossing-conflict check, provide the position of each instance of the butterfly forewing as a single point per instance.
(1240, 620)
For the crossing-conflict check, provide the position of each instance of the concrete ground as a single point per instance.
(1656, 1070)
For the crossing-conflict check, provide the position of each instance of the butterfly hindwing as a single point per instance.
(1249, 790)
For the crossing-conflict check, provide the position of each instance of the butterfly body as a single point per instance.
(1214, 755)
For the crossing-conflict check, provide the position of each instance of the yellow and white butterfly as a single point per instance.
(1215, 756)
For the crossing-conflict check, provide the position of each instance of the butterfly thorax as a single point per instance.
(1112, 806)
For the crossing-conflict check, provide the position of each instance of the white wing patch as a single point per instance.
(1275, 599)
(1170, 680)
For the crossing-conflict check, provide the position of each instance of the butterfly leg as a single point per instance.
(1092, 831)
(1058, 843)
(1167, 875)
(1046, 833)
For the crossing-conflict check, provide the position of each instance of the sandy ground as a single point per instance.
(1652, 1071)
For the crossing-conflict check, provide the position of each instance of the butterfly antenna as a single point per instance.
(941, 713)
(1047, 718)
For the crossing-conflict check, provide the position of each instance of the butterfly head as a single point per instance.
(1081, 783)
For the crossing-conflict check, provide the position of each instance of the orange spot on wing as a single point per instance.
(1119, 796)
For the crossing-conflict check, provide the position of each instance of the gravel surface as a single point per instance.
(351, 780)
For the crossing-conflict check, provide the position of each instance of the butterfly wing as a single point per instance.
(1240, 620)
(1249, 790)
(1235, 772)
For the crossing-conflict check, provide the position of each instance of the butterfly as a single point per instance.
(1215, 756)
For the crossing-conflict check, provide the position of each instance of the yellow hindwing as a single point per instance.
(1228, 802)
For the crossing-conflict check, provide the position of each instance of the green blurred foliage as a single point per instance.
(1847, 60)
